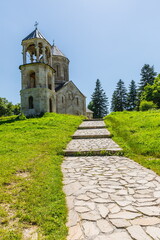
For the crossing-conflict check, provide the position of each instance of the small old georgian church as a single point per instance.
(45, 79)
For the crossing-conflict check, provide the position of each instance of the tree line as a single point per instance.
(142, 97)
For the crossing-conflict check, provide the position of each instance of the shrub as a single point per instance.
(21, 117)
(146, 105)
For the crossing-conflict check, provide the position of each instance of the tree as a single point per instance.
(146, 105)
(17, 109)
(132, 96)
(114, 102)
(152, 92)
(147, 77)
(7, 108)
(119, 97)
(99, 101)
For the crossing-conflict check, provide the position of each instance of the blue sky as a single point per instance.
(105, 39)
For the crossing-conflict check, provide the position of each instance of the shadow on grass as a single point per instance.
(8, 121)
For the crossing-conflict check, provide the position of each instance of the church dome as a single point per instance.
(35, 34)
(57, 52)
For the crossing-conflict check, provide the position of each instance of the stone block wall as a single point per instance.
(70, 100)
(41, 101)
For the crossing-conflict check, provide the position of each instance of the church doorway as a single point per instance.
(50, 105)
(30, 100)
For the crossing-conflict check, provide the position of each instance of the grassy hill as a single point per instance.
(138, 133)
(31, 152)
(31, 197)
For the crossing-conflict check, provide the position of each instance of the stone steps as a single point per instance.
(108, 197)
(90, 127)
(92, 133)
(91, 139)
(94, 119)
(94, 152)
(91, 136)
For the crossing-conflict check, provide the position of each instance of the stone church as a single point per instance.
(45, 79)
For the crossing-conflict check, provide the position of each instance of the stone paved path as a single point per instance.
(111, 198)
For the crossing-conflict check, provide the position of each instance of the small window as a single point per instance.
(30, 102)
(57, 70)
(62, 99)
(77, 101)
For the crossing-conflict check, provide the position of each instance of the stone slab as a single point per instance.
(84, 146)
(92, 124)
(91, 133)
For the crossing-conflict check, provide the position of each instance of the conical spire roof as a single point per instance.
(35, 34)
(57, 52)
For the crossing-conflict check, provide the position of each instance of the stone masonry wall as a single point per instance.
(71, 101)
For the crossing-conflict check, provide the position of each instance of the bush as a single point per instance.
(21, 117)
(146, 105)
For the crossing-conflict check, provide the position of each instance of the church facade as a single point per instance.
(45, 79)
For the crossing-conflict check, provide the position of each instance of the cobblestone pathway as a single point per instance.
(110, 197)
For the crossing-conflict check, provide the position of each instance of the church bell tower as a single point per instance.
(37, 75)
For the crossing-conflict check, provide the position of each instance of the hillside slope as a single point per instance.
(31, 197)
(138, 133)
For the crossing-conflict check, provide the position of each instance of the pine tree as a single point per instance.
(114, 102)
(99, 102)
(119, 97)
(147, 77)
(132, 96)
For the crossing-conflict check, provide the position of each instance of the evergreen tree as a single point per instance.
(147, 77)
(99, 102)
(114, 102)
(119, 97)
(132, 96)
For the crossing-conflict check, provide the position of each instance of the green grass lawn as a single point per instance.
(31, 196)
(138, 133)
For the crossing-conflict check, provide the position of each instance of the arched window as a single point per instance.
(50, 105)
(49, 82)
(65, 73)
(77, 101)
(70, 96)
(30, 100)
(57, 70)
(47, 52)
(32, 80)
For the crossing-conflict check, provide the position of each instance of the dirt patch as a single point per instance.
(23, 174)
(30, 233)
(9, 220)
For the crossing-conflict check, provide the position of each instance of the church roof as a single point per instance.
(88, 110)
(66, 84)
(35, 34)
(57, 52)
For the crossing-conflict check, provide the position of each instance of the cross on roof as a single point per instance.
(36, 24)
